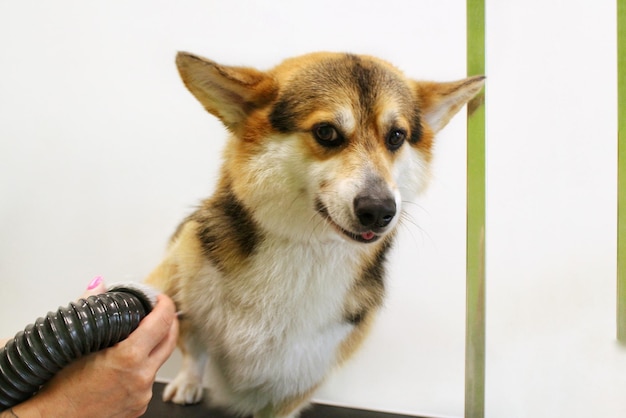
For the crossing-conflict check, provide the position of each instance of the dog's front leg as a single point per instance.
(187, 387)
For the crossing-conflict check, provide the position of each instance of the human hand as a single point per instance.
(115, 382)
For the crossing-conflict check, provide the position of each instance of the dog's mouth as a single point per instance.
(364, 237)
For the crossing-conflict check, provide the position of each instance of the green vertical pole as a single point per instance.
(475, 303)
(621, 171)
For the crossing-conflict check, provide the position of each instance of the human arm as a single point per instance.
(115, 382)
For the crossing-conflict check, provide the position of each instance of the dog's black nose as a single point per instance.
(374, 212)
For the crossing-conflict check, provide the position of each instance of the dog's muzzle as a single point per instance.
(372, 217)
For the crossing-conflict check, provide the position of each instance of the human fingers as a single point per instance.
(95, 287)
(155, 327)
(164, 349)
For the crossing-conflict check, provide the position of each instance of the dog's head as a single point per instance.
(326, 139)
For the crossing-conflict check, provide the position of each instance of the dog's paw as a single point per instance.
(183, 391)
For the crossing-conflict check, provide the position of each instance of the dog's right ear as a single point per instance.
(230, 93)
(440, 101)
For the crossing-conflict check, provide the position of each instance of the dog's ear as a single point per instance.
(230, 93)
(440, 101)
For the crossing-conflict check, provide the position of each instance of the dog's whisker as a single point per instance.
(415, 205)
(408, 222)
(319, 223)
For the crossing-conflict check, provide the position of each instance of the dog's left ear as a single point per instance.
(440, 101)
(230, 93)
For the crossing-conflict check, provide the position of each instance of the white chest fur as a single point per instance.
(276, 333)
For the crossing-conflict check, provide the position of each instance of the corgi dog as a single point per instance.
(280, 273)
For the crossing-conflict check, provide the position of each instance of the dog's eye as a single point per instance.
(327, 135)
(395, 139)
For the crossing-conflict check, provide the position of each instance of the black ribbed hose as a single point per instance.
(36, 354)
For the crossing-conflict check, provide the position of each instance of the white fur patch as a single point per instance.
(279, 336)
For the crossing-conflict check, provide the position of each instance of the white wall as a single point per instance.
(103, 152)
(551, 222)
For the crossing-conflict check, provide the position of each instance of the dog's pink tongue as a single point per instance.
(368, 235)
